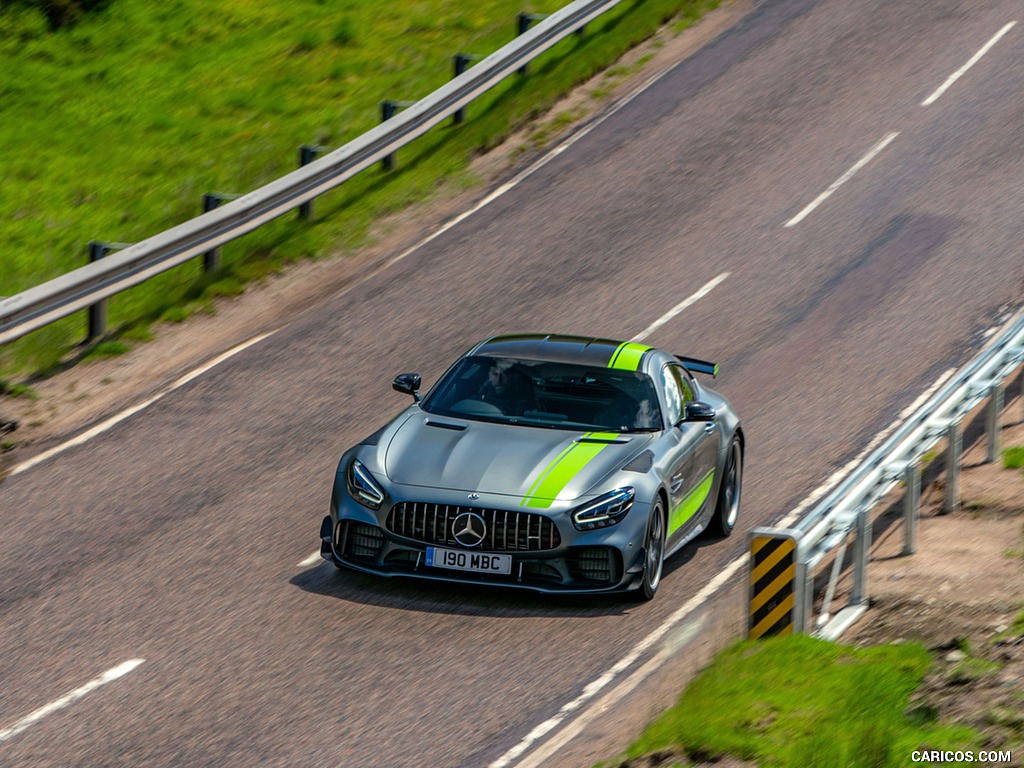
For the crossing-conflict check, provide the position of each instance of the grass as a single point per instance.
(108, 348)
(116, 126)
(1015, 630)
(12, 389)
(798, 701)
(1013, 458)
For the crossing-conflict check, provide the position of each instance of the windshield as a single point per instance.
(546, 394)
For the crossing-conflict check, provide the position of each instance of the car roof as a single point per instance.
(604, 353)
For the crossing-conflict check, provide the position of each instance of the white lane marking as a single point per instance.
(311, 560)
(842, 179)
(576, 727)
(494, 195)
(970, 63)
(113, 421)
(107, 677)
(704, 291)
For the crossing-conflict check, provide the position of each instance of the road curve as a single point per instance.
(175, 537)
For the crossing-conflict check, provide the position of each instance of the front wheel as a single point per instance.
(727, 508)
(654, 553)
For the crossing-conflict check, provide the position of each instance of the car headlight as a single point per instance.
(604, 510)
(363, 487)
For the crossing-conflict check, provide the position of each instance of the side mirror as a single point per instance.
(407, 383)
(698, 411)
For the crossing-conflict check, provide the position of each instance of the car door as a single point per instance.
(696, 443)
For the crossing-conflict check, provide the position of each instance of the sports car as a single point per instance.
(559, 464)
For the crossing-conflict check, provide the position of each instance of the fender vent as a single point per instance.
(642, 463)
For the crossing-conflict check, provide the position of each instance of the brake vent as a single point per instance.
(360, 541)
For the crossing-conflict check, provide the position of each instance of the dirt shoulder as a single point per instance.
(962, 595)
(88, 392)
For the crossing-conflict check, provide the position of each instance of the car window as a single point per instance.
(673, 395)
(684, 382)
(678, 391)
(548, 394)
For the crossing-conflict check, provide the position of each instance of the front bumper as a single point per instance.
(578, 568)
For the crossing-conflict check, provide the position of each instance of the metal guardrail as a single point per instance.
(784, 601)
(80, 288)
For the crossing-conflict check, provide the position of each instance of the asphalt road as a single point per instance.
(176, 537)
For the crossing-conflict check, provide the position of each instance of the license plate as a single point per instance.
(460, 560)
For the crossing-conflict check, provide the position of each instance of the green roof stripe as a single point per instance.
(628, 355)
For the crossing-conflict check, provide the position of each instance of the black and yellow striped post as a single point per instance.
(773, 583)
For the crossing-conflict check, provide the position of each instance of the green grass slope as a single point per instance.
(115, 125)
(799, 702)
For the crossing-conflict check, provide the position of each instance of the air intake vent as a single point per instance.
(359, 541)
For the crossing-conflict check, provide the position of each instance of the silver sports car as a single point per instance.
(554, 463)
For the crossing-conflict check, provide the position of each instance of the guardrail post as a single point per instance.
(861, 553)
(460, 63)
(97, 325)
(911, 507)
(954, 450)
(1020, 391)
(388, 109)
(523, 22)
(992, 417)
(803, 605)
(98, 311)
(211, 259)
(307, 154)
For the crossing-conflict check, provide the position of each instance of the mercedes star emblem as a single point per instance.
(469, 529)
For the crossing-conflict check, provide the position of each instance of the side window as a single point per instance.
(685, 385)
(673, 395)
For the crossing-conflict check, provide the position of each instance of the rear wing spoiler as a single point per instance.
(698, 366)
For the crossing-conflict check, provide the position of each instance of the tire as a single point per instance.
(654, 553)
(727, 507)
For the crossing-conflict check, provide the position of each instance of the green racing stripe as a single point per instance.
(627, 356)
(690, 503)
(563, 468)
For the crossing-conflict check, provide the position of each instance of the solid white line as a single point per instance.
(623, 664)
(728, 572)
(708, 287)
(839, 474)
(549, 749)
(843, 179)
(107, 677)
(970, 63)
(113, 421)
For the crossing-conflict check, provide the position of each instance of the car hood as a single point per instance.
(539, 464)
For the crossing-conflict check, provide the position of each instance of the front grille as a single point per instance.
(358, 541)
(601, 564)
(507, 531)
